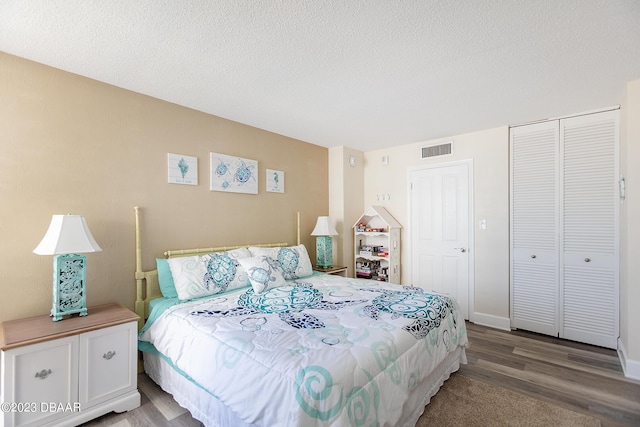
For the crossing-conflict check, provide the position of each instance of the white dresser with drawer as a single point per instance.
(68, 372)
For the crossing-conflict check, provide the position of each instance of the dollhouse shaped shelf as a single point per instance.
(377, 245)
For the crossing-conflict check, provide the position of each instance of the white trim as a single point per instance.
(584, 113)
(492, 321)
(469, 163)
(630, 367)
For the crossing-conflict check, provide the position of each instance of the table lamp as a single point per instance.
(67, 237)
(324, 242)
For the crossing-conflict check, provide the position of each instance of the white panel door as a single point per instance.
(108, 366)
(535, 227)
(40, 374)
(440, 231)
(589, 299)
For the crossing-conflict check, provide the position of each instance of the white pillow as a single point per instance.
(202, 275)
(264, 273)
(294, 260)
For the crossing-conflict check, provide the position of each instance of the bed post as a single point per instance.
(139, 305)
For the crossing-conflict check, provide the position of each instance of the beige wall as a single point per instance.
(73, 145)
(489, 151)
(630, 231)
(345, 201)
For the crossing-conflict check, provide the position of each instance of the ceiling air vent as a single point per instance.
(445, 149)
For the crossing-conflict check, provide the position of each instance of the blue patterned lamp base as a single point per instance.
(69, 285)
(324, 251)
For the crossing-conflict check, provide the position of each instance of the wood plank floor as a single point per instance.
(577, 376)
(580, 377)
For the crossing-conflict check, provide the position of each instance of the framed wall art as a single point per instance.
(233, 174)
(275, 181)
(182, 169)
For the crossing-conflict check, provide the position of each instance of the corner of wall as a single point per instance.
(346, 187)
(629, 340)
(631, 368)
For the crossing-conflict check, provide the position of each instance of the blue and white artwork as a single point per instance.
(183, 169)
(275, 181)
(233, 174)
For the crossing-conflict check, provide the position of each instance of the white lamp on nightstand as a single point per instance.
(324, 242)
(67, 237)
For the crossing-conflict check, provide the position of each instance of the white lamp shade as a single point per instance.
(324, 227)
(67, 234)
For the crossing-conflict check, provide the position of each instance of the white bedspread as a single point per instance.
(325, 351)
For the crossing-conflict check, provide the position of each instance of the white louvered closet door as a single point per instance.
(589, 217)
(535, 227)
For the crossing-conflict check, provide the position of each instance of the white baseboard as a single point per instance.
(630, 367)
(492, 321)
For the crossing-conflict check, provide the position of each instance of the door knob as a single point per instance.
(461, 249)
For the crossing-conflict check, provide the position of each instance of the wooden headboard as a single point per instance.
(147, 285)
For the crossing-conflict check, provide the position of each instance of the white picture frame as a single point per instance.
(182, 169)
(233, 174)
(275, 181)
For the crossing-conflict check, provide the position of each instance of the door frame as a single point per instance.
(471, 228)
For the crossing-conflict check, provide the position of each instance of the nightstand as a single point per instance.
(338, 270)
(68, 372)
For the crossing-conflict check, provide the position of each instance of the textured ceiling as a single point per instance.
(366, 74)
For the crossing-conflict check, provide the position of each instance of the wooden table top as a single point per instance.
(31, 330)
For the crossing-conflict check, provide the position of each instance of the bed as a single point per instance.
(277, 344)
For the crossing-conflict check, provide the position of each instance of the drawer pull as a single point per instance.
(43, 374)
(587, 260)
(533, 256)
(108, 355)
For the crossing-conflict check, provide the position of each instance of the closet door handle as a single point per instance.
(587, 260)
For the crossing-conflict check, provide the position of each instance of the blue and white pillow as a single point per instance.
(203, 275)
(293, 260)
(224, 272)
(264, 273)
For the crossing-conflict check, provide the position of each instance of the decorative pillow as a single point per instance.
(224, 272)
(165, 279)
(202, 275)
(294, 260)
(264, 273)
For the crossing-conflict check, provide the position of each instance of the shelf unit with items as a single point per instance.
(377, 246)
